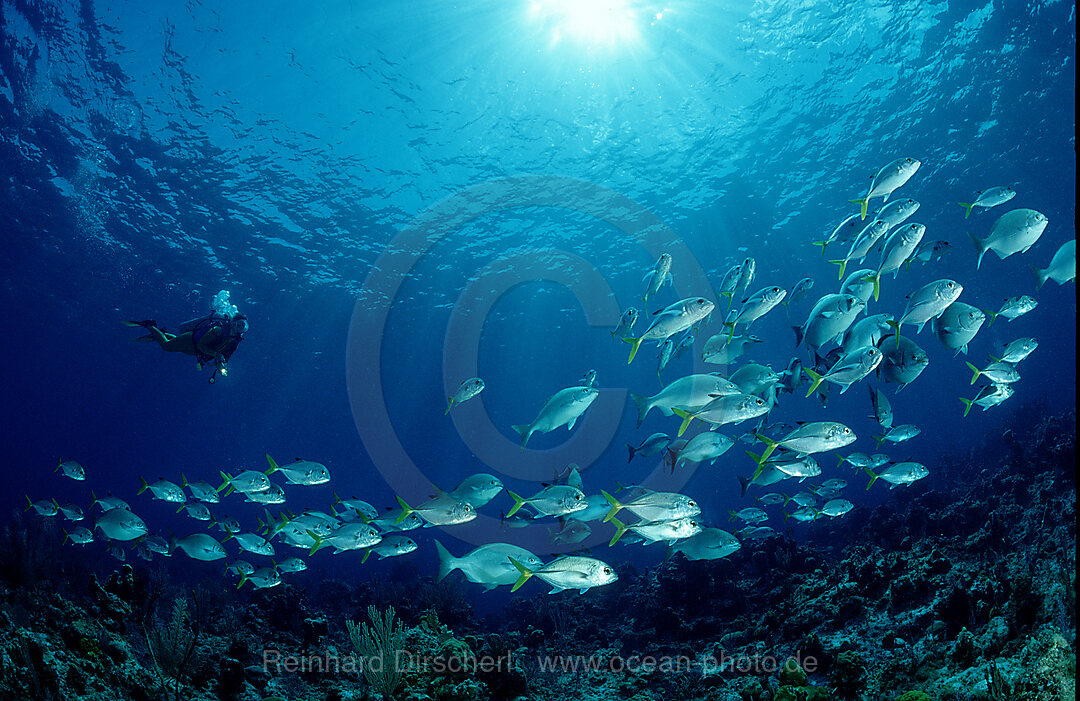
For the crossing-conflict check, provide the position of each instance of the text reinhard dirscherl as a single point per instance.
(274, 661)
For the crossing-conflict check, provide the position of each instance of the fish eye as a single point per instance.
(577, 497)
(607, 570)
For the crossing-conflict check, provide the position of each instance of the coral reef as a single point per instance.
(960, 588)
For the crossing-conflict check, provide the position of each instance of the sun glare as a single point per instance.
(609, 23)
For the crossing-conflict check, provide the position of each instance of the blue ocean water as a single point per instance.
(402, 195)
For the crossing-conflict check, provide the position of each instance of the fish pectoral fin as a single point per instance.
(570, 426)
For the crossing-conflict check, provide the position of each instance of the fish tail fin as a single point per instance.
(319, 543)
(524, 432)
(337, 499)
(843, 267)
(873, 477)
(243, 578)
(975, 370)
(180, 508)
(620, 528)
(823, 244)
(864, 203)
(449, 403)
(993, 317)
(1040, 273)
(447, 562)
(525, 574)
(518, 503)
(643, 406)
(273, 465)
(632, 452)
(367, 554)
(687, 417)
(28, 503)
(743, 483)
(967, 405)
(405, 510)
(615, 506)
(730, 296)
(770, 446)
(876, 279)
(967, 208)
(798, 335)
(980, 248)
(896, 326)
(635, 344)
(144, 485)
(815, 380)
(183, 481)
(878, 440)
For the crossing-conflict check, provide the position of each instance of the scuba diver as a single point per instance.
(211, 339)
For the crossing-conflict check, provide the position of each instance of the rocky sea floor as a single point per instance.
(964, 591)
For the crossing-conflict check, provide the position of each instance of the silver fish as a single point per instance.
(733, 408)
(477, 490)
(488, 565)
(898, 434)
(466, 391)
(120, 524)
(556, 500)
(626, 323)
(900, 473)
(199, 546)
(653, 445)
(690, 393)
(1014, 307)
(897, 250)
(564, 408)
(848, 370)
(882, 409)
(71, 469)
(1017, 350)
(164, 490)
(1062, 266)
(1013, 232)
(709, 544)
(722, 348)
(843, 232)
(706, 446)
(653, 506)
(658, 276)
(574, 572)
(829, 320)
(903, 362)
(990, 197)
(928, 301)
(442, 510)
(897, 212)
(999, 373)
(750, 514)
(862, 245)
(656, 531)
(886, 180)
(989, 396)
(667, 348)
(302, 472)
(957, 325)
(672, 320)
